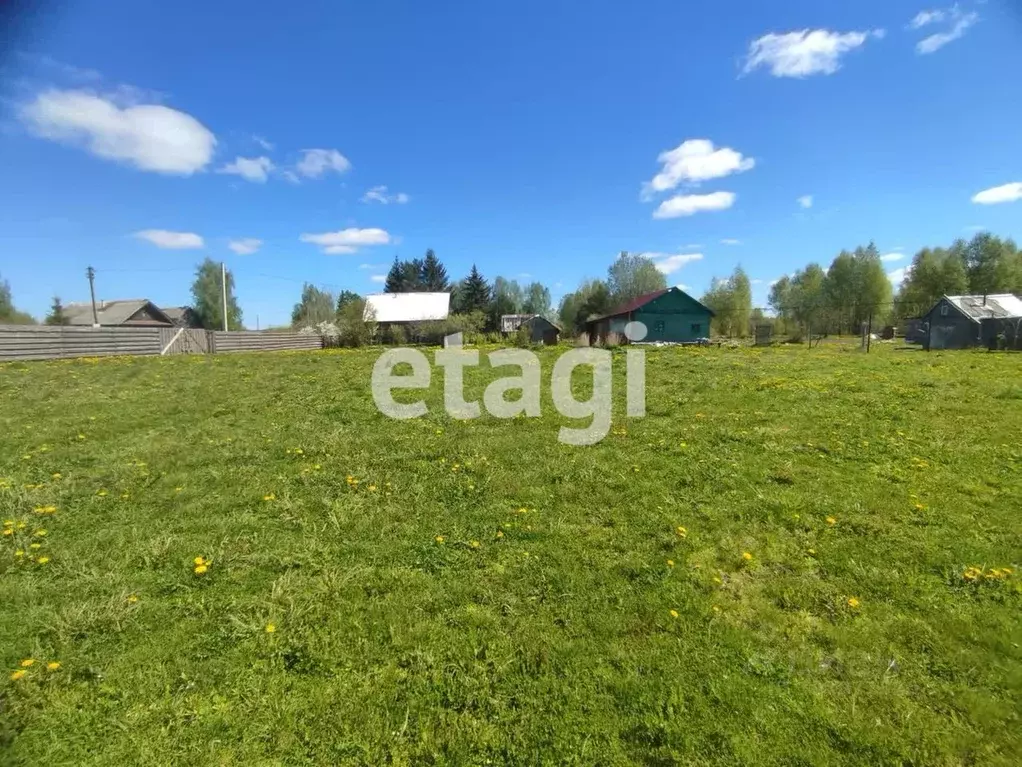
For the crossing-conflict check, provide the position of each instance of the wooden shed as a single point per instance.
(541, 330)
(670, 316)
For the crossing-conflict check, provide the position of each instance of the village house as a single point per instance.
(670, 316)
(959, 322)
(129, 312)
(541, 330)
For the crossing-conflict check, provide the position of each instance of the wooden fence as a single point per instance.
(48, 342)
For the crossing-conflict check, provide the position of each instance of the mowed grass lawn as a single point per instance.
(797, 557)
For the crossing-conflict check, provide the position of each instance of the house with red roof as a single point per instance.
(669, 316)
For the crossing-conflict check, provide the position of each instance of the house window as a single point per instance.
(659, 327)
(943, 310)
(697, 329)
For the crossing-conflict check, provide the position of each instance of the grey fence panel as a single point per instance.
(41, 342)
(46, 342)
(256, 341)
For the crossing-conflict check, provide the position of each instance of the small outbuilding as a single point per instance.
(541, 330)
(960, 322)
(670, 316)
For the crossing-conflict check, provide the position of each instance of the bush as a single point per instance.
(522, 338)
(395, 335)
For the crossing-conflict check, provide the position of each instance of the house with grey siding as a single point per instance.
(130, 312)
(959, 322)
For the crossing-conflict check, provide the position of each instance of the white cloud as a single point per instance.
(686, 205)
(935, 42)
(148, 136)
(378, 278)
(730, 241)
(1005, 193)
(892, 257)
(693, 161)
(161, 238)
(371, 266)
(254, 169)
(347, 240)
(898, 275)
(246, 246)
(668, 263)
(265, 145)
(926, 17)
(316, 162)
(806, 201)
(379, 194)
(803, 53)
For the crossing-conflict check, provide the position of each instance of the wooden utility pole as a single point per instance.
(223, 285)
(91, 274)
(869, 332)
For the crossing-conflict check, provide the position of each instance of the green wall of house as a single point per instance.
(674, 316)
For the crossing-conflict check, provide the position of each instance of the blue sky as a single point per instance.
(532, 138)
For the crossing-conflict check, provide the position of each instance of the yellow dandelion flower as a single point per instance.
(716, 609)
(371, 488)
(57, 475)
(101, 493)
(670, 563)
(201, 569)
(17, 675)
(440, 539)
(199, 560)
(681, 531)
(269, 497)
(43, 560)
(178, 489)
(35, 546)
(674, 613)
(812, 552)
(132, 599)
(53, 665)
(474, 544)
(270, 628)
(853, 602)
(27, 662)
(40, 532)
(746, 556)
(19, 553)
(831, 521)
(8, 531)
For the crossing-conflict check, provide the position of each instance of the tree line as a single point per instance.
(476, 303)
(856, 289)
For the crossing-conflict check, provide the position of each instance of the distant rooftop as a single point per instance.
(408, 307)
(997, 306)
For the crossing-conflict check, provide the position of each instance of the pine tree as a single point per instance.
(434, 274)
(56, 315)
(395, 278)
(474, 295)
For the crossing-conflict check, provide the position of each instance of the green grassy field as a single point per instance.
(797, 557)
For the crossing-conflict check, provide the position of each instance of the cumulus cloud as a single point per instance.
(730, 241)
(693, 161)
(162, 238)
(961, 24)
(668, 263)
(926, 17)
(892, 257)
(689, 204)
(347, 240)
(245, 246)
(379, 194)
(805, 52)
(378, 278)
(1005, 193)
(255, 169)
(806, 201)
(150, 137)
(316, 162)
